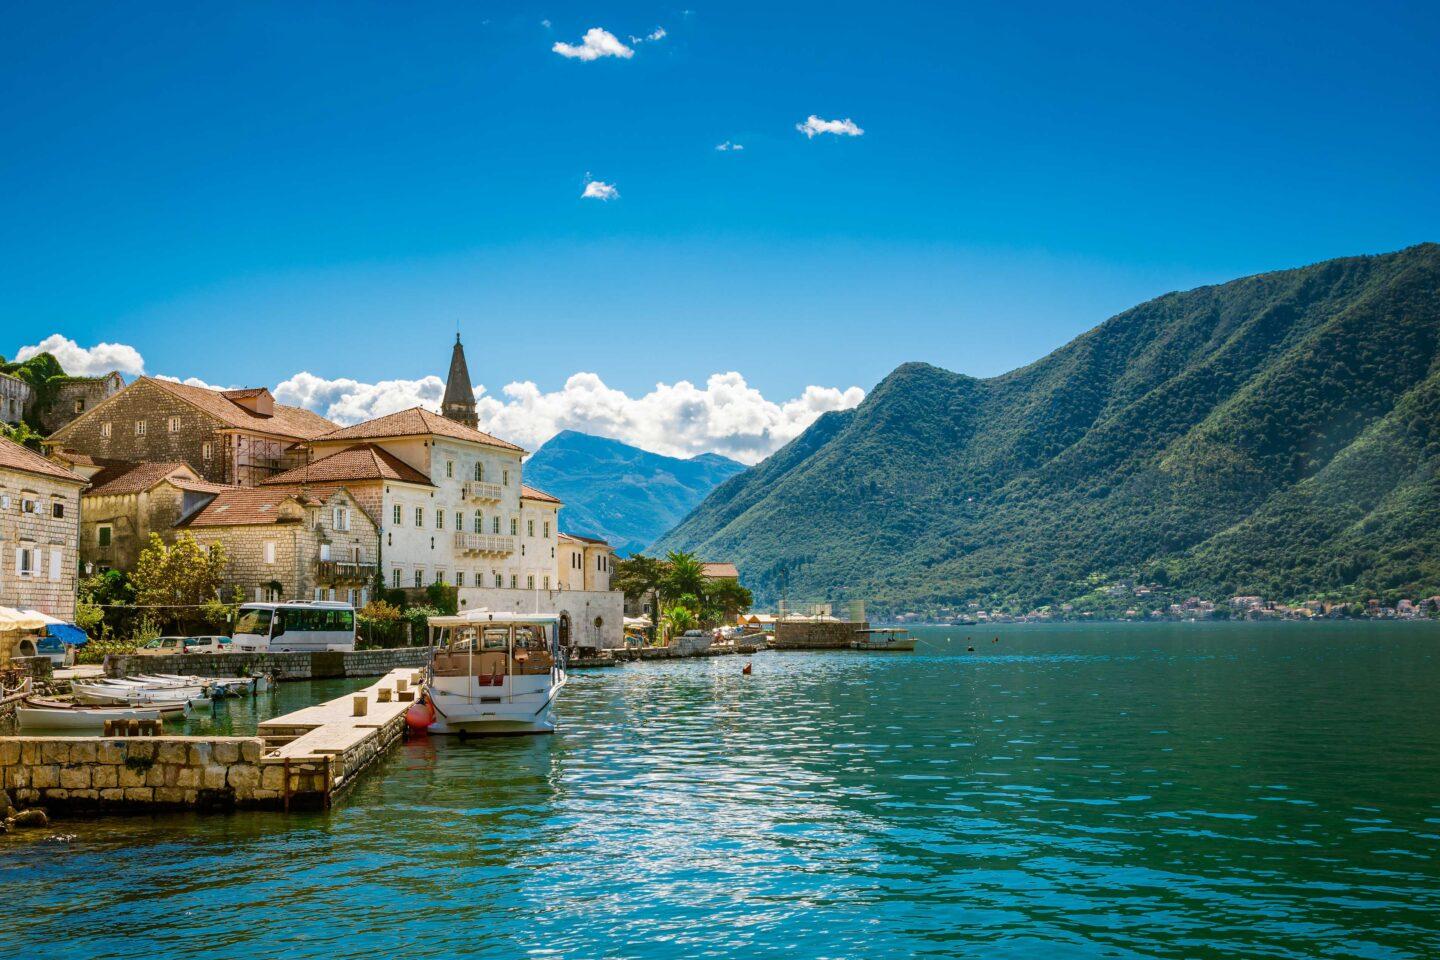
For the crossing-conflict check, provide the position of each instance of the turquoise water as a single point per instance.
(1094, 791)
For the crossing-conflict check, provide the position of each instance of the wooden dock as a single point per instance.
(322, 749)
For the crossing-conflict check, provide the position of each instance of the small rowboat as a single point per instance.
(36, 713)
(118, 694)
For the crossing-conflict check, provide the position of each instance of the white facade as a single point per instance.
(592, 618)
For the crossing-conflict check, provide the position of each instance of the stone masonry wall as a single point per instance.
(802, 635)
(283, 666)
(45, 535)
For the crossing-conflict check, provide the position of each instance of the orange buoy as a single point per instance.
(745, 670)
(420, 715)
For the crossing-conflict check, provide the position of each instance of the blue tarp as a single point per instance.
(68, 633)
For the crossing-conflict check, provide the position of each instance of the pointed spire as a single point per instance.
(459, 402)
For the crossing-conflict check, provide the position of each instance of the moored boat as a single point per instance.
(494, 673)
(881, 639)
(112, 693)
(37, 713)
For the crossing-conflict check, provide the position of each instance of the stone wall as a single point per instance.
(823, 635)
(283, 666)
(74, 397)
(131, 517)
(91, 773)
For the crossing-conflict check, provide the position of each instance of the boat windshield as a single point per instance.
(254, 622)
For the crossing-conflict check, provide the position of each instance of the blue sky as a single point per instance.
(245, 191)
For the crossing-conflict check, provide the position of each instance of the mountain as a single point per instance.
(1276, 435)
(621, 493)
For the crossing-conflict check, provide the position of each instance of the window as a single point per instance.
(495, 524)
(479, 471)
(419, 516)
(439, 576)
(173, 425)
(449, 469)
(269, 550)
(459, 521)
(505, 477)
(395, 578)
(355, 554)
(512, 581)
(479, 522)
(459, 578)
(79, 406)
(139, 428)
(514, 527)
(102, 536)
(105, 429)
(530, 582)
(529, 528)
(207, 451)
(396, 515)
(419, 578)
(547, 583)
(25, 561)
(547, 529)
(439, 519)
(324, 551)
(340, 518)
(27, 505)
(498, 581)
(57, 510)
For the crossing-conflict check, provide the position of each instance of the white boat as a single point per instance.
(116, 693)
(494, 673)
(34, 713)
(883, 639)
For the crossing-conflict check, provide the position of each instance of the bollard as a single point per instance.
(401, 684)
(406, 696)
(383, 695)
(362, 705)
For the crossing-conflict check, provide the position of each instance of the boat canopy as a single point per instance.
(472, 618)
(68, 633)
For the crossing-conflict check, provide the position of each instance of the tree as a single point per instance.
(729, 597)
(639, 577)
(677, 620)
(686, 574)
(178, 579)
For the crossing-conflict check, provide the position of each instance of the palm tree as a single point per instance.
(686, 574)
(678, 619)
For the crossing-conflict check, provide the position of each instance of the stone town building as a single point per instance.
(585, 563)
(15, 395)
(39, 530)
(235, 437)
(75, 396)
(291, 542)
(127, 502)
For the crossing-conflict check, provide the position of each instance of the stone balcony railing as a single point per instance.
(480, 490)
(344, 571)
(484, 543)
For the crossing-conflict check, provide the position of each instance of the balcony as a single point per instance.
(479, 490)
(344, 571)
(480, 543)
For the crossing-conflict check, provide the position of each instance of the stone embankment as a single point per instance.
(303, 760)
(282, 666)
(816, 634)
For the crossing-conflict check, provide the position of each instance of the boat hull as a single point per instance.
(529, 709)
(899, 646)
(45, 718)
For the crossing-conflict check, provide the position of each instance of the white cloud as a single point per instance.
(87, 361)
(192, 382)
(657, 34)
(595, 44)
(725, 416)
(599, 190)
(545, 24)
(727, 146)
(349, 401)
(814, 125)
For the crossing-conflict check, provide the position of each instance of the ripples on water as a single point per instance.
(1186, 791)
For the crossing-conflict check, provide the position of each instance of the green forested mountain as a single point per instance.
(1278, 435)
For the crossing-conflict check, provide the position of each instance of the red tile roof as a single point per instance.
(721, 571)
(242, 506)
(15, 457)
(531, 493)
(125, 477)
(593, 541)
(286, 421)
(415, 422)
(363, 461)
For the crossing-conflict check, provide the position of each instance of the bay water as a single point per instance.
(1087, 791)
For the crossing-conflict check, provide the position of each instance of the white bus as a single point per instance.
(294, 627)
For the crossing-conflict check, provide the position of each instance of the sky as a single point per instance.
(692, 229)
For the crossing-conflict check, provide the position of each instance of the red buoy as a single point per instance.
(420, 715)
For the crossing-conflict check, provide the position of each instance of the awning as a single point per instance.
(639, 623)
(12, 620)
(68, 633)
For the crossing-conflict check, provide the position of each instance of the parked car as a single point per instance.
(163, 646)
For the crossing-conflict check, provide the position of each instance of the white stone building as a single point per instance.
(39, 533)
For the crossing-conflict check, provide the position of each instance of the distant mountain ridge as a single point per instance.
(621, 493)
(1276, 435)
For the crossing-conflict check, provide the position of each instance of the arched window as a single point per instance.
(564, 629)
(479, 471)
(479, 519)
